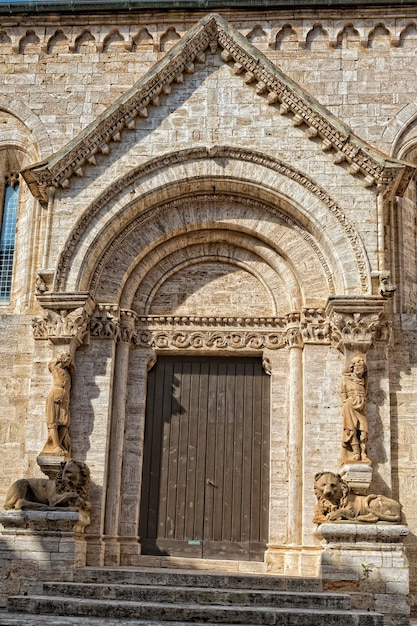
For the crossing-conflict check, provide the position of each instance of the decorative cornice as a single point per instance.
(194, 332)
(269, 82)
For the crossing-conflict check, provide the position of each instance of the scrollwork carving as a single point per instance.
(236, 340)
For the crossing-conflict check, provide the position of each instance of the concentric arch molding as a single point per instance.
(203, 153)
(182, 202)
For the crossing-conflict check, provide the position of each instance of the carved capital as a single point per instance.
(106, 322)
(315, 327)
(65, 318)
(355, 322)
(128, 332)
(111, 322)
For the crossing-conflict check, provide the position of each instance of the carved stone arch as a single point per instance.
(161, 260)
(286, 39)
(348, 37)
(5, 42)
(85, 40)
(401, 133)
(169, 39)
(258, 37)
(38, 145)
(165, 177)
(113, 40)
(142, 39)
(260, 238)
(408, 36)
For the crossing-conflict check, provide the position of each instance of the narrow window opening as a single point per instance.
(9, 196)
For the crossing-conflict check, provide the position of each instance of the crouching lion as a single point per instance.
(69, 490)
(335, 502)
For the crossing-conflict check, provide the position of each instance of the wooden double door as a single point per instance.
(205, 482)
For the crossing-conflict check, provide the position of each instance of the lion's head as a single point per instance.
(73, 476)
(330, 487)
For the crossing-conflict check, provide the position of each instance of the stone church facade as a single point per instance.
(215, 215)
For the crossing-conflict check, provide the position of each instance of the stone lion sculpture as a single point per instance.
(69, 490)
(335, 502)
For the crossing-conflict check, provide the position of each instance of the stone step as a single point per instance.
(23, 619)
(193, 578)
(167, 612)
(199, 595)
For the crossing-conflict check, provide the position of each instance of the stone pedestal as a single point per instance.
(368, 561)
(358, 476)
(36, 546)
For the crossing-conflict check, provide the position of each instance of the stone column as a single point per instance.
(113, 491)
(142, 360)
(295, 438)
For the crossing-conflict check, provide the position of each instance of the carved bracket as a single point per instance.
(356, 323)
(65, 318)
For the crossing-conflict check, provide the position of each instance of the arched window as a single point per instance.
(9, 194)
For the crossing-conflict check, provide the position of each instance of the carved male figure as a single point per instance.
(57, 406)
(355, 423)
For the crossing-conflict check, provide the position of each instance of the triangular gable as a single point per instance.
(269, 82)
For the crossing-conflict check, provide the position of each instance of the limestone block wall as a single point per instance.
(60, 73)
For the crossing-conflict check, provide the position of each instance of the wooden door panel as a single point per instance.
(206, 458)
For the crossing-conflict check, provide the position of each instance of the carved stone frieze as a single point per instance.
(220, 339)
(315, 327)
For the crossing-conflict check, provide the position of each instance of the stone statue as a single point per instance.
(355, 423)
(57, 406)
(69, 490)
(336, 502)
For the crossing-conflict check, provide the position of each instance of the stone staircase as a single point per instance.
(129, 597)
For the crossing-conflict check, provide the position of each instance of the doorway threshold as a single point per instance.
(211, 565)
